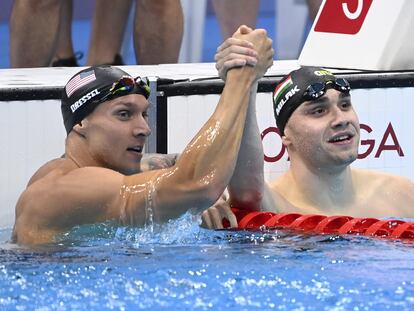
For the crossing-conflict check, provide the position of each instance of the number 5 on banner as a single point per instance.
(361, 34)
(353, 15)
(344, 17)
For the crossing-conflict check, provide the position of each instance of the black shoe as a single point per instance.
(68, 62)
(118, 61)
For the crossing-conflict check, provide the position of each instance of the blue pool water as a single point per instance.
(180, 266)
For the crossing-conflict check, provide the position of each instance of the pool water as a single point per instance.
(180, 266)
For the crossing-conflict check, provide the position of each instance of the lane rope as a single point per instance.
(321, 224)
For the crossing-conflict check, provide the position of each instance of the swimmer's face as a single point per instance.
(325, 132)
(116, 132)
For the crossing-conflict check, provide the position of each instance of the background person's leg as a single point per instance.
(33, 32)
(233, 13)
(313, 7)
(158, 31)
(108, 28)
(64, 54)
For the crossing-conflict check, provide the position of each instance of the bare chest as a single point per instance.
(373, 202)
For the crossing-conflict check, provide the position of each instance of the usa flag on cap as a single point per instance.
(79, 80)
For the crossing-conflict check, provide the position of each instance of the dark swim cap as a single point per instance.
(93, 86)
(289, 93)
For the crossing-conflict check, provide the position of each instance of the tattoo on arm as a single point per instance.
(156, 161)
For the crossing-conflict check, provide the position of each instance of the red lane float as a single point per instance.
(390, 228)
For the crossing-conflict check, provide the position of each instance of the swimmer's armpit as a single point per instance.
(155, 161)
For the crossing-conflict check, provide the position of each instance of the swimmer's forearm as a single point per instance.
(210, 158)
(247, 183)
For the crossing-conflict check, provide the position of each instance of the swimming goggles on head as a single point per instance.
(318, 89)
(126, 85)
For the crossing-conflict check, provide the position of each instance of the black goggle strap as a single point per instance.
(143, 84)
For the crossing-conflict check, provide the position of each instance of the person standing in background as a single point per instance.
(158, 31)
(34, 27)
(232, 13)
(46, 32)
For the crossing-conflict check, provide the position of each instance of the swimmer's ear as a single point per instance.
(286, 141)
(80, 128)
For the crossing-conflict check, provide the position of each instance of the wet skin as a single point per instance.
(116, 132)
(324, 133)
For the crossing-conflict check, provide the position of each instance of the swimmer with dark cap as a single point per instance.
(320, 129)
(99, 179)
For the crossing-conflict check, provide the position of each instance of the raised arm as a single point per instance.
(247, 187)
(207, 164)
(247, 183)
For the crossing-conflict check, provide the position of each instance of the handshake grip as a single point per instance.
(263, 46)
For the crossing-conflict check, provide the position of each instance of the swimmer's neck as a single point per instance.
(77, 151)
(323, 190)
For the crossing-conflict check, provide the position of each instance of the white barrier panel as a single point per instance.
(385, 117)
(362, 34)
(32, 133)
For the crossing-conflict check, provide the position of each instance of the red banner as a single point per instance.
(344, 17)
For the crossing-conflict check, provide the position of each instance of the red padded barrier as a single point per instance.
(332, 224)
(390, 228)
(357, 225)
(254, 219)
(383, 228)
(404, 231)
(282, 220)
(306, 222)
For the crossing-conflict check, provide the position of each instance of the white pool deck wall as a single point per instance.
(32, 131)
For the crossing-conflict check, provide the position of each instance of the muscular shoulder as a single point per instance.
(75, 183)
(58, 201)
(390, 195)
(42, 186)
(60, 164)
(373, 178)
(70, 190)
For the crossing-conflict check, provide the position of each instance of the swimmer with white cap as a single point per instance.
(321, 131)
(99, 178)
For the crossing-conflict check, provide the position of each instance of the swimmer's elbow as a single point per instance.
(30, 236)
(27, 232)
(212, 191)
(247, 200)
(27, 228)
(212, 194)
(204, 195)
